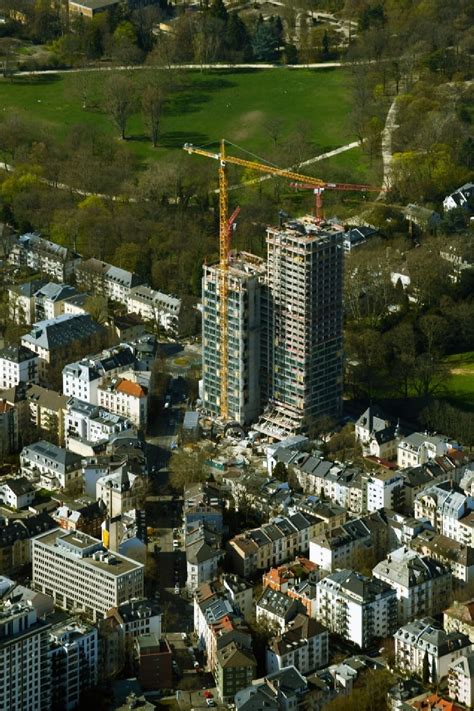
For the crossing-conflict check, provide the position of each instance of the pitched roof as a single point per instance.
(62, 331)
(19, 486)
(128, 387)
(17, 354)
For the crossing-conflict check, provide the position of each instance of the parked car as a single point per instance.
(176, 589)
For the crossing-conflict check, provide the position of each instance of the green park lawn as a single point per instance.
(461, 382)
(230, 104)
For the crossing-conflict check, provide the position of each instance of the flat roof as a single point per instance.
(118, 566)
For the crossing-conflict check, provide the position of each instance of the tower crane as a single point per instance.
(318, 192)
(225, 227)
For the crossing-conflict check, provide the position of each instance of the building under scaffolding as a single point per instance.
(245, 275)
(284, 330)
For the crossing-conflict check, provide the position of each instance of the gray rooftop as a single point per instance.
(62, 331)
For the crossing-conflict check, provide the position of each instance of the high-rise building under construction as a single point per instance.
(245, 275)
(284, 330)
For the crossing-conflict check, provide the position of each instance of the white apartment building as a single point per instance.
(50, 300)
(126, 397)
(423, 585)
(378, 436)
(358, 608)
(82, 378)
(37, 253)
(384, 490)
(461, 680)
(74, 651)
(202, 561)
(418, 448)
(18, 363)
(25, 665)
(80, 574)
(444, 505)
(422, 647)
(17, 493)
(55, 466)
(304, 645)
(21, 301)
(91, 423)
(154, 306)
(240, 592)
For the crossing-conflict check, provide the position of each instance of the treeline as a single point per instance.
(165, 33)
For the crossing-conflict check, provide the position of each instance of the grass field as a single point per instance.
(461, 383)
(211, 105)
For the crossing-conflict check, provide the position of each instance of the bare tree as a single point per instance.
(152, 107)
(119, 100)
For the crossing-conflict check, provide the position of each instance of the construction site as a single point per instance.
(273, 328)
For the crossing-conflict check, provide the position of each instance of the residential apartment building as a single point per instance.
(203, 504)
(50, 300)
(25, 665)
(15, 541)
(273, 543)
(418, 448)
(358, 608)
(9, 428)
(154, 306)
(423, 585)
(343, 546)
(17, 493)
(301, 360)
(422, 647)
(74, 652)
(18, 363)
(203, 556)
(120, 491)
(154, 660)
(79, 573)
(54, 341)
(91, 423)
(461, 680)
(283, 690)
(276, 610)
(83, 378)
(126, 397)
(21, 301)
(458, 557)
(460, 618)
(240, 593)
(86, 518)
(54, 466)
(244, 295)
(234, 670)
(377, 434)
(304, 645)
(33, 251)
(107, 280)
(444, 505)
(385, 491)
(46, 411)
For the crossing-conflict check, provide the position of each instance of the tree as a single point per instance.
(152, 108)
(280, 472)
(187, 467)
(119, 100)
(425, 674)
(97, 307)
(264, 44)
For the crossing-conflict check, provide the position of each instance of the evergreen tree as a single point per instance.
(218, 10)
(325, 52)
(236, 35)
(264, 43)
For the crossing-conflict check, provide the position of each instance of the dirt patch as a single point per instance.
(462, 371)
(247, 124)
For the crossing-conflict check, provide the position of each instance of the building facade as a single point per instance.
(243, 333)
(79, 573)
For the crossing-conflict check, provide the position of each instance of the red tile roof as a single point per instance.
(130, 388)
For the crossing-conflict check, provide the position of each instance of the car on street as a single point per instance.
(210, 702)
(176, 589)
